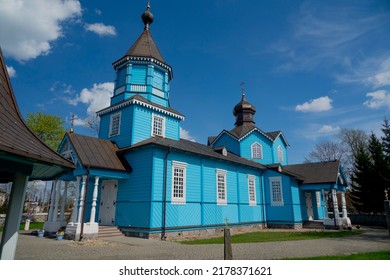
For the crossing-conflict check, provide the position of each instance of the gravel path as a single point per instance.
(125, 248)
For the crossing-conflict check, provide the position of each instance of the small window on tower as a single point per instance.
(115, 123)
(158, 125)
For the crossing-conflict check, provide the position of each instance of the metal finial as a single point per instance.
(147, 17)
(242, 84)
(72, 119)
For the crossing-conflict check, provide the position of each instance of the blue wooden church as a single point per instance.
(141, 177)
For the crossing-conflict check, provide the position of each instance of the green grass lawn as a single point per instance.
(379, 255)
(269, 236)
(33, 226)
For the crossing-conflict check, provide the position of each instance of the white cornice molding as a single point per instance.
(140, 103)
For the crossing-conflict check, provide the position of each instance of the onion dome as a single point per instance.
(244, 112)
(147, 17)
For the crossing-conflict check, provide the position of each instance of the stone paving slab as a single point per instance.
(126, 248)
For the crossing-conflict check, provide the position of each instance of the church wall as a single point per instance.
(246, 150)
(126, 124)
(200, 208)
(142, 128)
(133, 198)
(296, 201)
(229, 142)
(281, 214)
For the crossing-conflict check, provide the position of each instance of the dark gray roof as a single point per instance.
(145, 46)
(317, 172)
(195, 148)
(17, 140)
(96, 153)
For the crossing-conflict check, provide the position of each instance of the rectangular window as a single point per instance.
(252, 189)
(276, 191)
(179, 170)
(158, 125)
(115, 123)
(221, 187)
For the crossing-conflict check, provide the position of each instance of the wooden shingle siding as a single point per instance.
(200, 208)
(133, 204)
(138, 74)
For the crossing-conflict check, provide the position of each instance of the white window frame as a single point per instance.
(280, 154)
(252, 190)
(221, 189)
(276, 191)
(318, 198)
(154, 117)
(113, 133)
(176, 185)
(255, 149)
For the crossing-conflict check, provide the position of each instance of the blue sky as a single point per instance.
(310, 68)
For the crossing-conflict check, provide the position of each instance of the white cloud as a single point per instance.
(101, 29)
(11, 71)
(33, 25)
(378, 99)
(185, 134)
(320, 104)
(382, 76)
(95, 98)
(328, 129)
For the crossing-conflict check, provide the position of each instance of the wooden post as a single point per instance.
(228, 253)
(227, 243)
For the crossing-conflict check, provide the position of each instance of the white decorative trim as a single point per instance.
(138, 88)
(158, 92)
(137, 59)
(120, 90)
(138, 102)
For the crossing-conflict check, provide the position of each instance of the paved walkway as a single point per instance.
(125, 248)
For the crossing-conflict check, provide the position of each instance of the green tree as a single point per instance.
(361, 181)
(371, 175)
(49, 128)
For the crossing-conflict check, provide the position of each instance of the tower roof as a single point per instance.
(145, 46)
(244, 112)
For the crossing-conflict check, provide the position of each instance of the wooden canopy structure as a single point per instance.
(23, 157)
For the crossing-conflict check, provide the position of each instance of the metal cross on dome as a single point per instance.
(242, 84)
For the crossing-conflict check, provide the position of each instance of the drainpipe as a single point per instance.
(262, 197)
(85, 204)
(164, 216)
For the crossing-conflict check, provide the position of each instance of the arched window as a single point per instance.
(280, 154)
(257, 151)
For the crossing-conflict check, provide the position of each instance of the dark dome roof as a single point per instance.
(243, 105)
(147, 17)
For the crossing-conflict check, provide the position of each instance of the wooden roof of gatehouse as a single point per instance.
(19, 145)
